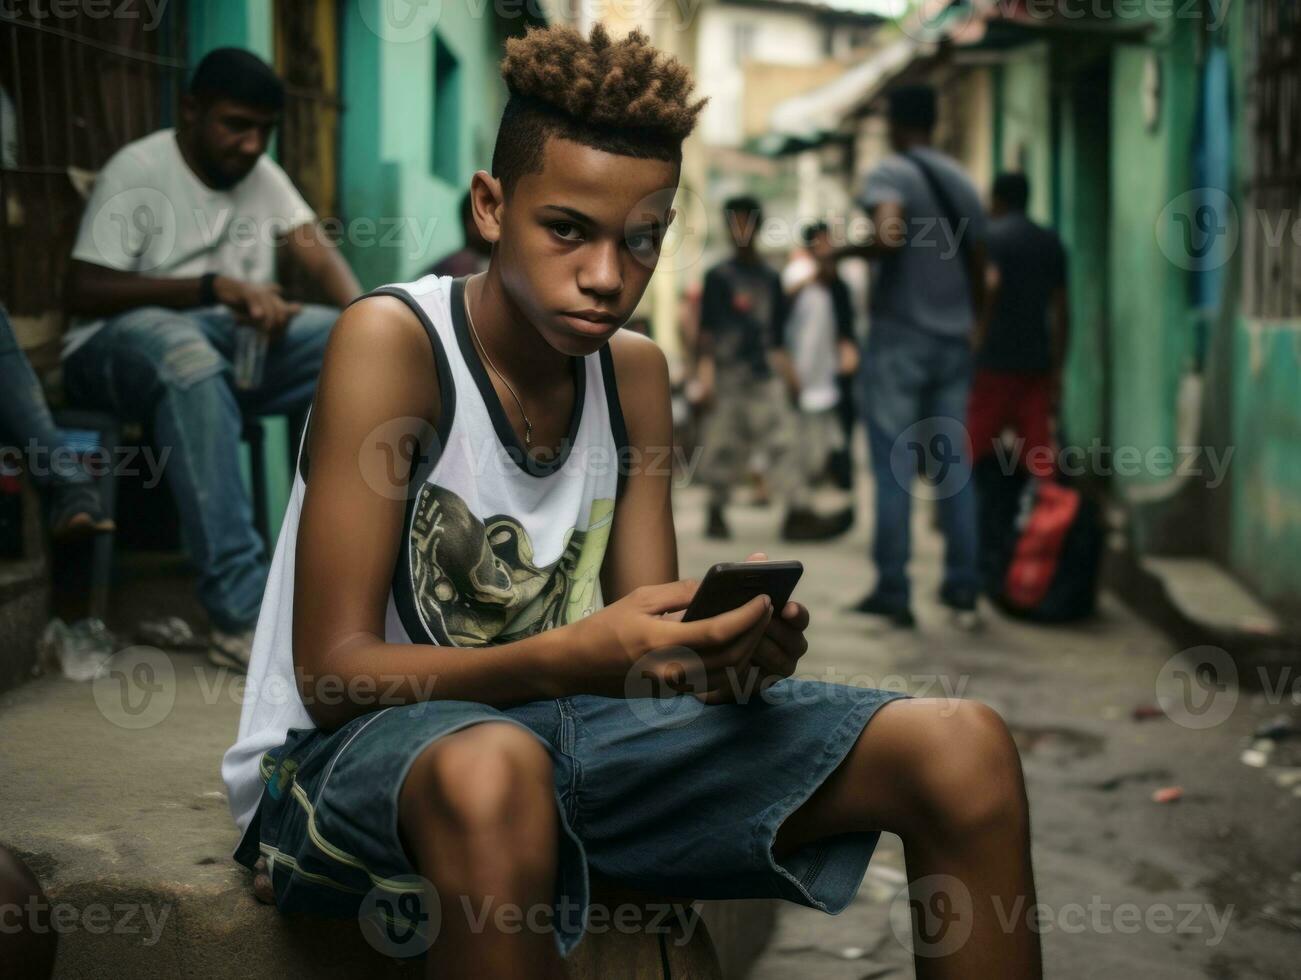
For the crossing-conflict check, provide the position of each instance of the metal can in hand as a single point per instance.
(250, 356)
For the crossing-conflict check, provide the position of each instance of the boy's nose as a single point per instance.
(602, 273)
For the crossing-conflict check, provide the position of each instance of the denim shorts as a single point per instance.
(669, 796)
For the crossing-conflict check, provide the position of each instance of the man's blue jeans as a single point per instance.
(914, 397)
(173, 367)
(25, 418)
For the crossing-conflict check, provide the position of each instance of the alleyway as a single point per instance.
(1207, 886)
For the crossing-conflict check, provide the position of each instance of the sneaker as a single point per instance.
(963, 607)
(805, 525)
(715, 526)
(231, 650)
(897, 613)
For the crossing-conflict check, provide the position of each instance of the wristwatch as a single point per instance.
(208, 289)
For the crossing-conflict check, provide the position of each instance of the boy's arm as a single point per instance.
(643, 548)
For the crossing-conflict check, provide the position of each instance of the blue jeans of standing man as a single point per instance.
(914, 388)
(173, 367)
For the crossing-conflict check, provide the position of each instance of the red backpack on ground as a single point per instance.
(1040, 545)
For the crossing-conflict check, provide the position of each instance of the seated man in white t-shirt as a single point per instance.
(173, 269)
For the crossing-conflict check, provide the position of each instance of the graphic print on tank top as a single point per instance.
(497, 546)
(476, 582)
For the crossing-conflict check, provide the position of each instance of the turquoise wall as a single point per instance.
(1149, 333)
(1083, 180)
(1265, 472)
(230, 23)
(389, 127)
(1024, 124)
(1265, 374)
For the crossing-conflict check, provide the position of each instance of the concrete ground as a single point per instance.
(1206, 886)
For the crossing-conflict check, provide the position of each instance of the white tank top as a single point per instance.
(495, 547)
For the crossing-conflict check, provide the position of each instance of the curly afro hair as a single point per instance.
(623, 97)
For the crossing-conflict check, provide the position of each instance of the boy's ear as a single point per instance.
(487, 200)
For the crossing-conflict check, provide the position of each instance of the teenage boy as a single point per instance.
(518, 748)
(178, 249)
(1021, 342)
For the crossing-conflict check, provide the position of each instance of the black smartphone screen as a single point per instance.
(731, 584)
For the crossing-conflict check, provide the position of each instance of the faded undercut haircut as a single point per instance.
(623, 97)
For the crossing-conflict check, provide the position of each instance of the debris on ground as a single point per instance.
(80, 650)
(1255, 758)
(1141, 776)
(170, 633)
(1168, 794)
(1142, 712)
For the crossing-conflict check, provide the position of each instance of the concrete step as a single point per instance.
(128, 830)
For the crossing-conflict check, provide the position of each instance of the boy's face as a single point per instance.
(576, 243)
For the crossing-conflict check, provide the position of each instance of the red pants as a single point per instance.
(1021, 402)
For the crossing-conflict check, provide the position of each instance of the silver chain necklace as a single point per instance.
(528, 425)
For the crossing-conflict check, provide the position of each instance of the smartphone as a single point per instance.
(731, 584)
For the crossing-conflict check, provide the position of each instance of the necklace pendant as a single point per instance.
(528, 434)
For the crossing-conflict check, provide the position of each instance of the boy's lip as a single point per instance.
(596, 316)
(587, 322)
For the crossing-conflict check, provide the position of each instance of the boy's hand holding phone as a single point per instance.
(645, 631)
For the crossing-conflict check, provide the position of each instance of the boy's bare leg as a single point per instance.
(477, 814)
(946, 777)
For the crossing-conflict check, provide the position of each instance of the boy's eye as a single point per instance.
(643, 243)
(567, 230)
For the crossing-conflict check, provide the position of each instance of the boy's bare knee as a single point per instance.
(490, 777)
(967, 777)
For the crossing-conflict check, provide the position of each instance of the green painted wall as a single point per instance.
(1265, 472)
(388, 174)
(1149, 336)
(1265, 374)
(1083, 169)
(230, 23)
(1024, 124)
